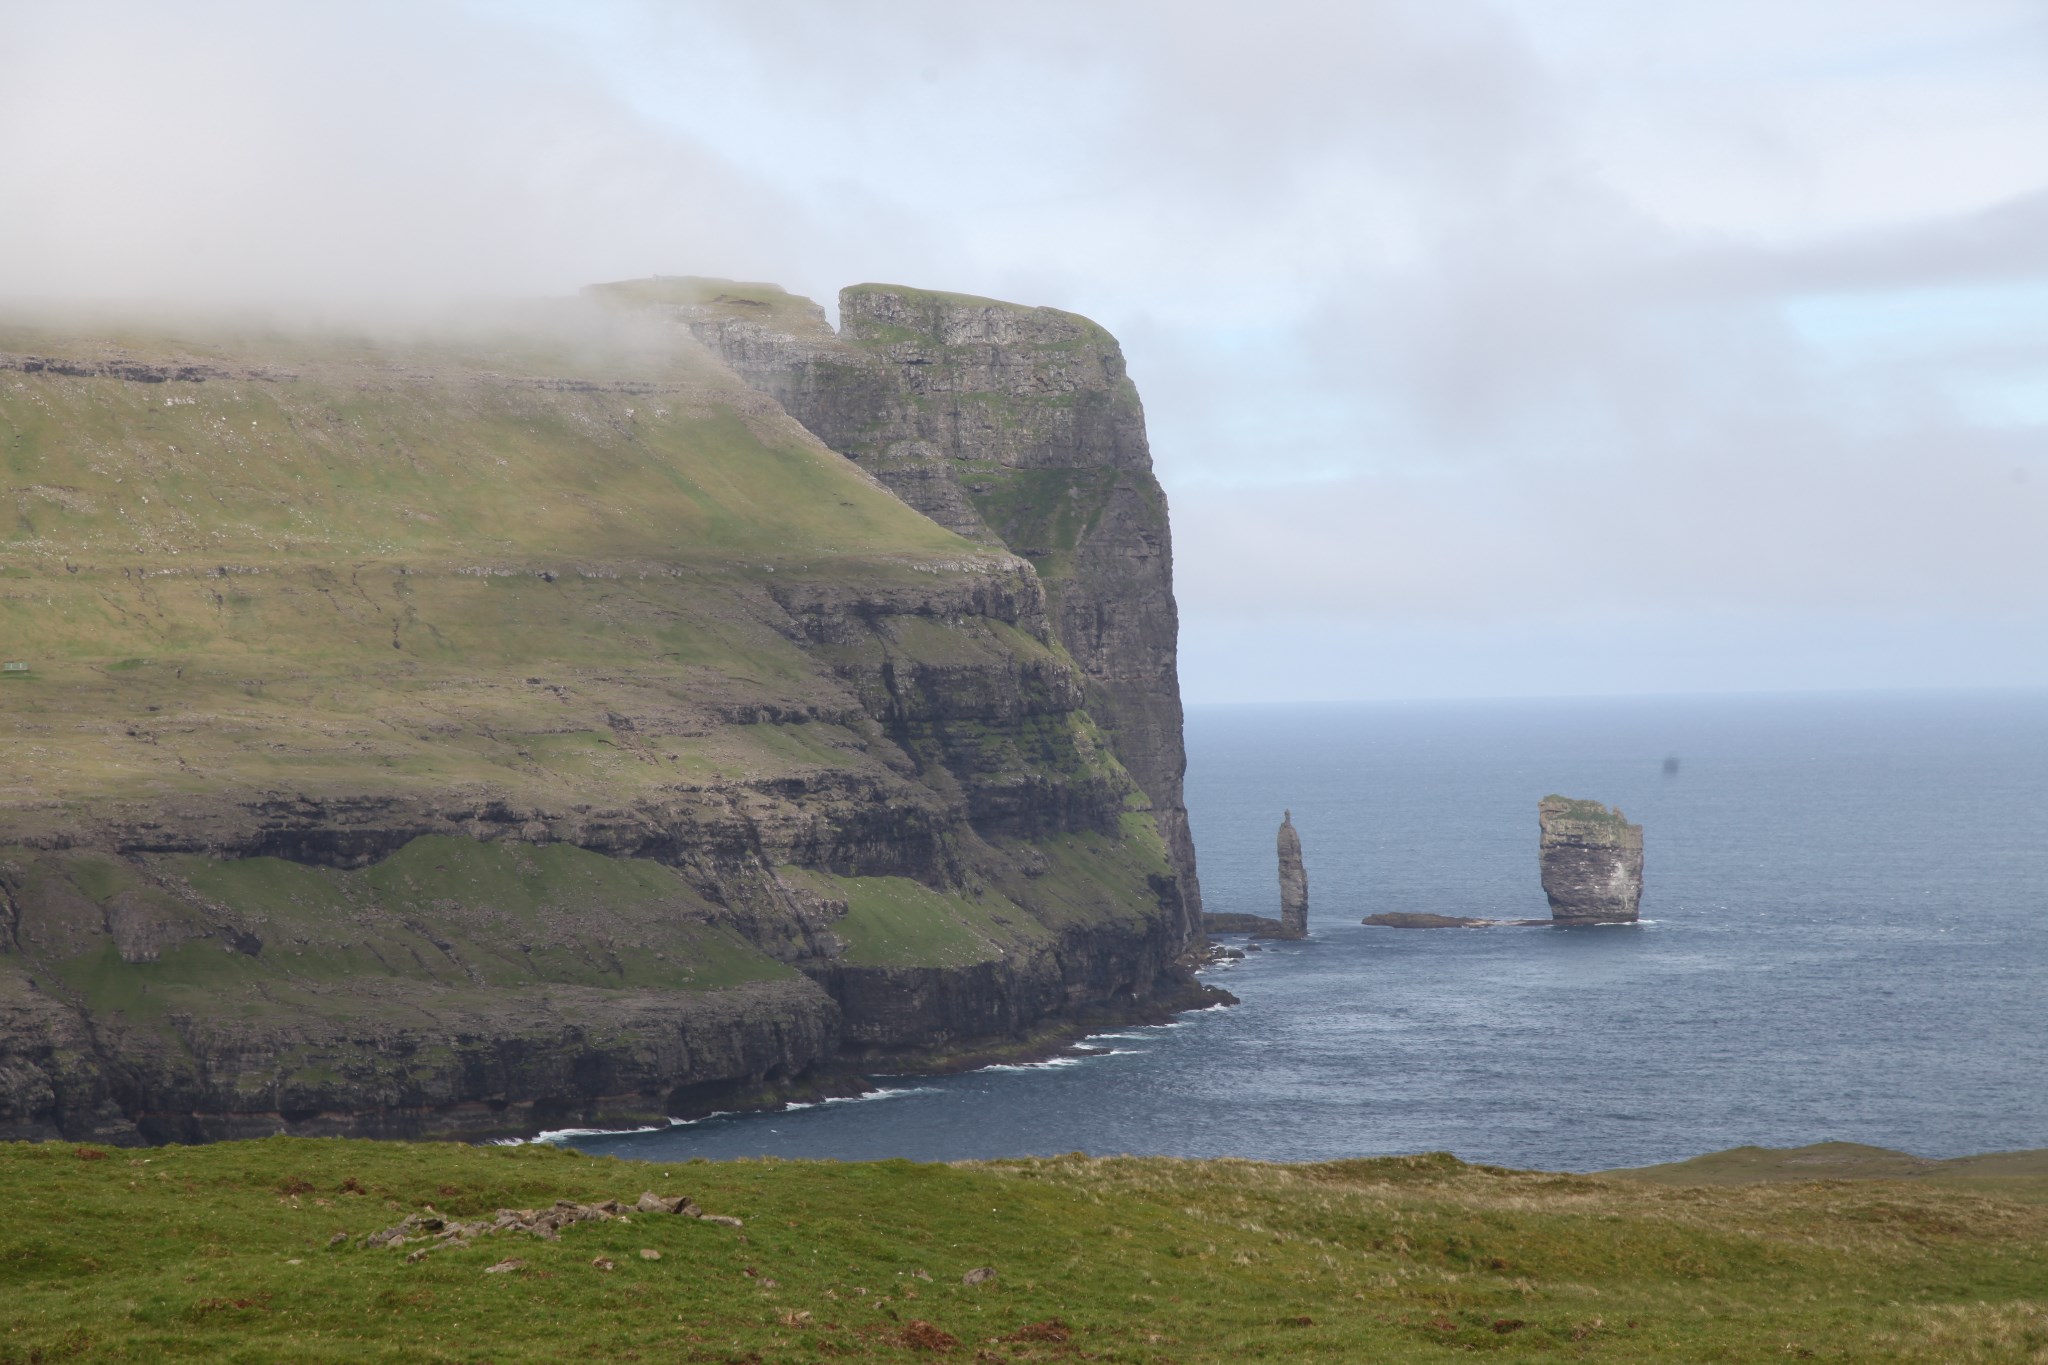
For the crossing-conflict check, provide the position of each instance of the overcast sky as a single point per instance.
(1500, 348)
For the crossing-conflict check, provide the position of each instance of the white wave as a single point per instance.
(1035, 1066)
(882, 1094)
(564, 1134)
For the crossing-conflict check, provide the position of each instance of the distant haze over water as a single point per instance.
(1845, 936)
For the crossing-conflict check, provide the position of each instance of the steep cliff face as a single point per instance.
(1293, 879)
(533, 726)
(1592, 862)
(1014, 427)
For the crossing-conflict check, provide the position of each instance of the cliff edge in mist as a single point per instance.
(542, 724)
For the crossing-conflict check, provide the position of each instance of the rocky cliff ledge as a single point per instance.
(537, 726)
(1592, 861)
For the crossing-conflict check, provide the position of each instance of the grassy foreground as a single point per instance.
(253, 1252)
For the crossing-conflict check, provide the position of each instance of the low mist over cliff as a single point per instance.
(1491, 347)
(539, 722)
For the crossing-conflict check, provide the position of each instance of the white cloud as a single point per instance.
(1577, 324)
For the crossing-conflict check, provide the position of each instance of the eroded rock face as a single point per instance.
(1592, 861)
(1293, 881)
(1013, 426)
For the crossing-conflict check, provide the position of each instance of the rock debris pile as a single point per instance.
(428, 1231)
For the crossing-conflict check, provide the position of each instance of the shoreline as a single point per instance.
(623, 1114)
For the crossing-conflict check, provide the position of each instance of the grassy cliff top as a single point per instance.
(2012, 1174)
(538, 556)
(740, 298)
(255, 1251)
(1570, 814)
(877, 314)
(596, 435)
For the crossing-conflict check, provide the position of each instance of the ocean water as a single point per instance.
(1845, 936)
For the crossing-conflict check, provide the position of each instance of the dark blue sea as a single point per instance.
(1844, 936)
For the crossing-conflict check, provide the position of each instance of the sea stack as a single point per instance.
(1294, 881)
(1592, 862)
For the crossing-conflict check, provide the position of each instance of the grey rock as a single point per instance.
(1293, 881)
(651, 1202)
(1292, 922)
(1592, 862)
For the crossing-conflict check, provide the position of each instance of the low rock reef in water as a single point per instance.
(1399, 920)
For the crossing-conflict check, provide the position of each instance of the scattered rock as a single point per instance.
(682, 1204)
(546, 1224)
(604, 1263)
(979, 1275)
(925, 1275)
(649, 1254)
(792, 1318)
(510, 1263)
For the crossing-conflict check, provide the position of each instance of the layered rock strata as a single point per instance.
(514, 731)
(1592, 862)
(1012, 426)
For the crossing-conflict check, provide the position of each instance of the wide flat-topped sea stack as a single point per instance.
(1592, 862)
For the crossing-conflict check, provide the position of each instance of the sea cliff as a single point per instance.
(1591, 860)
(535, 725)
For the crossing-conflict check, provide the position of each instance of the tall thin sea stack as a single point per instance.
(1592, 860)
(1293, 881)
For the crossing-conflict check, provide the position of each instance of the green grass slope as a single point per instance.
(412, 563)
(254, 1252)
(421, 727)
(2014, 1175)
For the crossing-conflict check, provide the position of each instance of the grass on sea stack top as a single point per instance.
(254, 1252)
(1563, 811)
